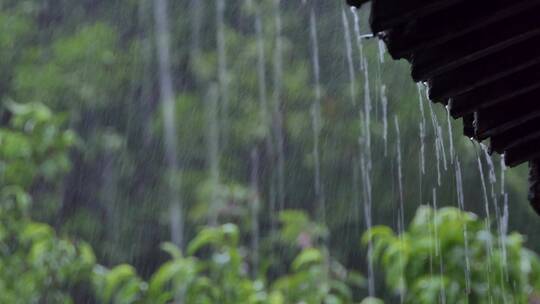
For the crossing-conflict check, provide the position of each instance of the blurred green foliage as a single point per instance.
(434, 260)
(81, 135)
(214, 271)
(33, 145)
(444, 253)
(36, 265)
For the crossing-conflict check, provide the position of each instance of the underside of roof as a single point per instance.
(481, 58)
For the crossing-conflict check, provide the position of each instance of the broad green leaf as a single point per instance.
(306, 258)
(372, 301)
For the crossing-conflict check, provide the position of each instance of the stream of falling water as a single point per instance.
(450, 135)
(439, 141)
(272, 116)
(401, 210)
(384, 105)
(367, 115)
(348, 48)
(382, 50)
(422, 133)
(461, 205)
(316, 126)
(438, 252)
(365, 138)
(489, 245)
(358, 35)
(368, 219)
(499, 216)
(505, 215)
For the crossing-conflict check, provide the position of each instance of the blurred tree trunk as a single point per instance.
(163, 49)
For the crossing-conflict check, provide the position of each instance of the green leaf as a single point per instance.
(179, 272)
(306, 258)
(377, 232)
(372, 301)
(37, 231)
(122, 276)
(206, 237)
(172, 250)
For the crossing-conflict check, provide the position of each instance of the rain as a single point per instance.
(241, 151)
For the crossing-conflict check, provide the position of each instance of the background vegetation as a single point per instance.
(85, 186)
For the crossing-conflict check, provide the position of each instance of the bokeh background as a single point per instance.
(235, 151)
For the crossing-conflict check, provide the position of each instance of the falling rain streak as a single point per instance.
(358, 35)
(348, 48)
(461, 205)
(444, 155)
(422, 130)
(489, 243)
(401, 211)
